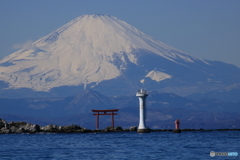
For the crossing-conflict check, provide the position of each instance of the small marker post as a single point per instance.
(177, 124)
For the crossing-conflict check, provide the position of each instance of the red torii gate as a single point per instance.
(104, 112)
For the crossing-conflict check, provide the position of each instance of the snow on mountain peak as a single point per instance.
(157, 75)
(81, 52)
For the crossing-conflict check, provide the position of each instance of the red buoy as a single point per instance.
(177, 124)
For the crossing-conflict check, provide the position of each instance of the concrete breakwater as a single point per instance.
(23, 127)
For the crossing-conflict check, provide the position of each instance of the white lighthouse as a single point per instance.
(142, 128)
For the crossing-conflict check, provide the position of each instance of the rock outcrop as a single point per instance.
(23, 127)
(112, 129)
(133, 128)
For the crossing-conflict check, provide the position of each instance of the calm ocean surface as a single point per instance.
(121, 145)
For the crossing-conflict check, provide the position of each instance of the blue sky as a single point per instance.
(208, 29)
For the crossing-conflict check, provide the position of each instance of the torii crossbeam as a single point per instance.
(104, 112)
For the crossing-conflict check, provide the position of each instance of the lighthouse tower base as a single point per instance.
(143, 130)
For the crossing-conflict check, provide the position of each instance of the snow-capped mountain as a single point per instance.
(103, 52)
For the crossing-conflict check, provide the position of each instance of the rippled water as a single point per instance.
(121, 145)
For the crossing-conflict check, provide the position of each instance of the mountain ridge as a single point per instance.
(162, 110)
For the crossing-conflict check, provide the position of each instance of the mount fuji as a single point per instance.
(103, 53)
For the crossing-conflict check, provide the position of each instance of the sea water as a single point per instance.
(119, 145)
